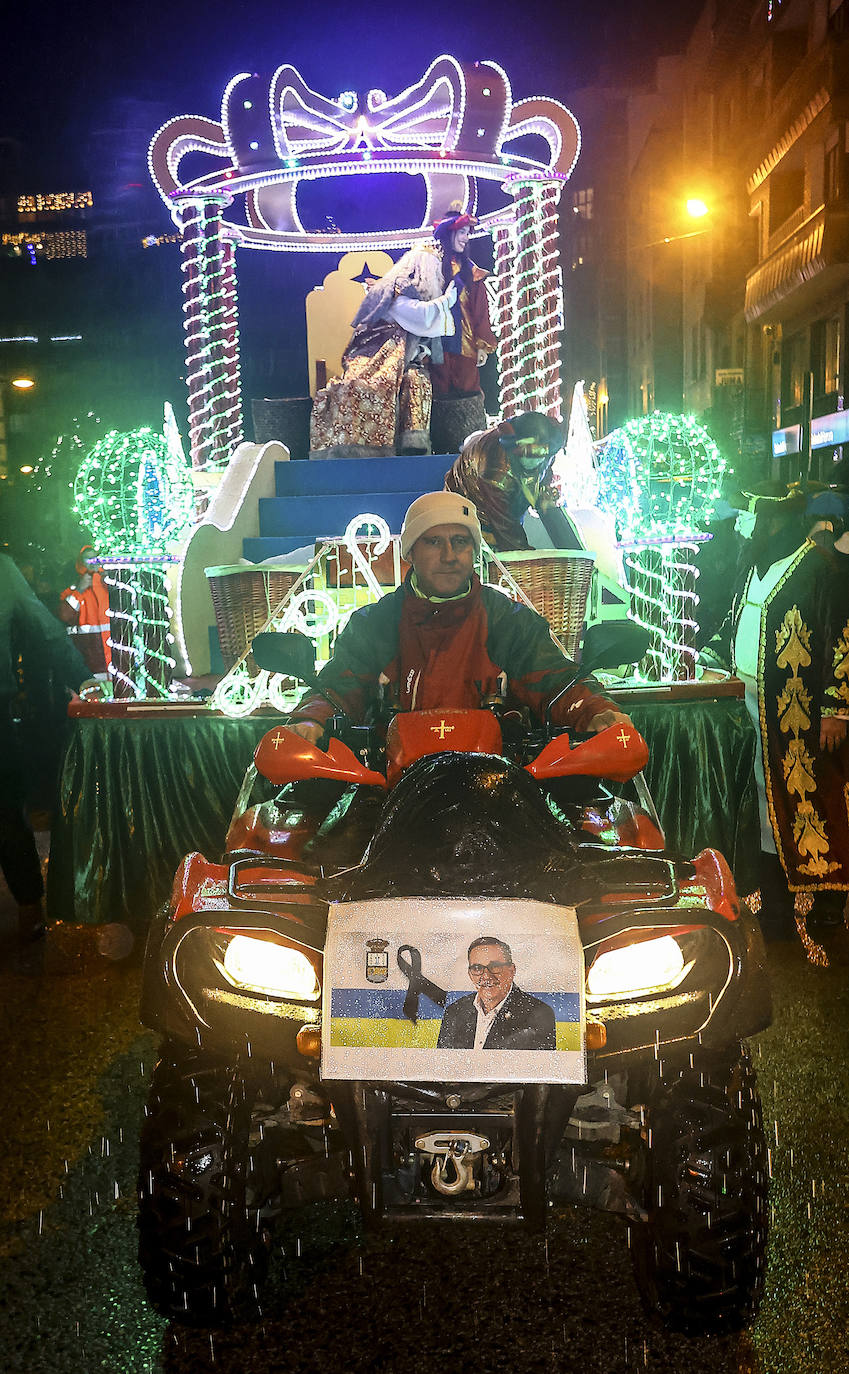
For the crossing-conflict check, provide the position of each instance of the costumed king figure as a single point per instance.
(381, 404)
(505, 471)
(457, 376)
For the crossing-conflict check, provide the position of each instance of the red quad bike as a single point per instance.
(484, 991)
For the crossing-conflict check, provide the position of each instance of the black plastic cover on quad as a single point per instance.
(475, 824)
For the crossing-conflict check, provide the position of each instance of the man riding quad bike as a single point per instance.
(448, 970)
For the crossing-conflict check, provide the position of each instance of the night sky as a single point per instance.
(78, 78)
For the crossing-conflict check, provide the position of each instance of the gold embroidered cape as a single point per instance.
(803, 674)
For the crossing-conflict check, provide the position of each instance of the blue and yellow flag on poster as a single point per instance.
(404, 999)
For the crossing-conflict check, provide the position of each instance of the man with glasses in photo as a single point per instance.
(498, 1015)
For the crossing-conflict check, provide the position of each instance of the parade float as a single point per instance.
(461, 132)
(275, 543)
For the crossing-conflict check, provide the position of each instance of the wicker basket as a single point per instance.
(557, 583)
(244, 597)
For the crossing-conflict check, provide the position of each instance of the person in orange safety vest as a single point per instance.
(84, 608)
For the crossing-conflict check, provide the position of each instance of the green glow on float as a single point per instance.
(135, 494)
(659, 476)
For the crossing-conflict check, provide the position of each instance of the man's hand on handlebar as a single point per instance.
(309, 730)
(605, 719)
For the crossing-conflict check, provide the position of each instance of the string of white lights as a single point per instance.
(662, 577)
(211, 332)
(505, 319)
(548, 369)
(231, 386)
(140, 631)
(192, 248)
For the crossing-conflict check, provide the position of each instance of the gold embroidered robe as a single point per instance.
(803, 674)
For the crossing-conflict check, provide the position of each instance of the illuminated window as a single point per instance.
(796, 356)
(825, 354)
(69, 244)
(838, 18)
(786, 195)
(65, 243)
(582, 203)
(155, 240)
(580, 251)
(55, 201)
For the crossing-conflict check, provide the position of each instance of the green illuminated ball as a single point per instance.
(134, 494)
(660, 476)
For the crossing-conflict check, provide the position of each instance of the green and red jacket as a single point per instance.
(442, 654)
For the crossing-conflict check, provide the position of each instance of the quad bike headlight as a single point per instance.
(645, 967)
(263, 966)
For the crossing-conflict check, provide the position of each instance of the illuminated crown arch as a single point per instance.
(455, 127)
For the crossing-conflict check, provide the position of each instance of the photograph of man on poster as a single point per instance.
(498, 1015)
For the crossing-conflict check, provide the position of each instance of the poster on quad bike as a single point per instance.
(449, 990)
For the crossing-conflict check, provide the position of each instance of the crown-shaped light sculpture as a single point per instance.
(455, 126)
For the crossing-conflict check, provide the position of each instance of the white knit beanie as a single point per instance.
(438, 508)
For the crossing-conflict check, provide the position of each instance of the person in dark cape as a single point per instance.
(790, 645)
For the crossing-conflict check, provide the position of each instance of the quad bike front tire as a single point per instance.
(699, 1259)
(202, 1248)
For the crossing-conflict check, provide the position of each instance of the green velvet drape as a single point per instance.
(136, 795)
(701, 776)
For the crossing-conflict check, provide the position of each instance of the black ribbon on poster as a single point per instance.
(419, 985)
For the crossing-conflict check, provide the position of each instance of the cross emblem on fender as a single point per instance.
(625, 739)
(442, 729)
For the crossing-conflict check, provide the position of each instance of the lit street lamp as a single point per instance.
(696, 209)
(19, 384)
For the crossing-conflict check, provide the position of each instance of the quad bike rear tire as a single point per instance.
(202, 1248)
(700, 1258)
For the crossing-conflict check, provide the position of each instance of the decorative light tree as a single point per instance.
(134, 492)
(659, 478)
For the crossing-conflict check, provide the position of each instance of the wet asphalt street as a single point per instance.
(75, 1069)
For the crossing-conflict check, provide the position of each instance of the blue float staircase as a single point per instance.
(316, 500)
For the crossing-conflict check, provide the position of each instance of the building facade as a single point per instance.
(797, 290)
(739, 317)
